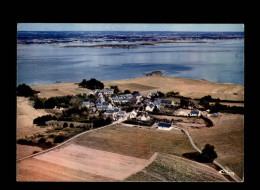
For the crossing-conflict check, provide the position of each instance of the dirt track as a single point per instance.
(79, 161)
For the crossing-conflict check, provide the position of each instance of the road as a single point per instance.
(229, 172)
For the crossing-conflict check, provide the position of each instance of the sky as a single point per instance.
(129, 27)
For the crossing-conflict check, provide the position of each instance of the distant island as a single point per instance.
(154, 73)
(110, 45)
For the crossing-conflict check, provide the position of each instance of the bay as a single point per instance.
(217, 61)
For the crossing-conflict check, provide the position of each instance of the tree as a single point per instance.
(41, 141)
(91, 84)
(25, 90)
(71, 125)
(116, 90)
(208, 153)
(184, 103)
(127, 92)
(65, 125)
(135, 92)
(59, 139)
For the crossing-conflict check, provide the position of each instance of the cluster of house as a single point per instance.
(112, 109)
(157, 102)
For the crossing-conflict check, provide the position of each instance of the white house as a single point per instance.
(133, 114)
(151, 94)
(108, 91)
(58, 108)
(165, 126)
(138, 96)
(149, 108)
(145, 117)
(121, 114)
(194, 113)
(86, 104)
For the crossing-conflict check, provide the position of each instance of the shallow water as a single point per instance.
(221, 61)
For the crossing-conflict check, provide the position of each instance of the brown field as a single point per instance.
(79, 163)
(227, 135)
(25, 116)
(168, 167)
(25, 127)
(136, 142)
(193, 88)
(59, 89)
(25, 150)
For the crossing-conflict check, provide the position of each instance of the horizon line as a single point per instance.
(120, 31)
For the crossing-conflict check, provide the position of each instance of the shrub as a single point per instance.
(40, 121)
(25, 90)
(208, 153)
(208, 122)
(71, 125)
(127, 92)
(59, 139)
(48, 144)
(41, 141)
(65, 125)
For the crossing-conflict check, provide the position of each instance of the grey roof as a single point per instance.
(109, 111)
(166, 101)
(194, 112)
(105, 103)
(164, 125)
(121, 112)
(86, 103)
(156, 103)
(151, 105)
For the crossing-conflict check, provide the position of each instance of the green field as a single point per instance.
(136, 142)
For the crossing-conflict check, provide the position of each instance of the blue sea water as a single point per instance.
(221, 61)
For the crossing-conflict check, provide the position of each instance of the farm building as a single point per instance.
(168, 102)
(165, 126)
(194, 113)
(108, 91)
(149, 108)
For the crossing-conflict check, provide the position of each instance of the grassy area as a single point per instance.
(173, 168)
(140, 143)
(227, 135)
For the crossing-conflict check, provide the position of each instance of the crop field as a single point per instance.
(73, 162)
(227, 135)
(111, 154)
(136, 142)
(173, 168)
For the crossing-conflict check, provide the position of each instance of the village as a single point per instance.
(99, 118)
(133, 109)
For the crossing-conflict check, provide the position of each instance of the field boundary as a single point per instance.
(61, 144)
(234, 177)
